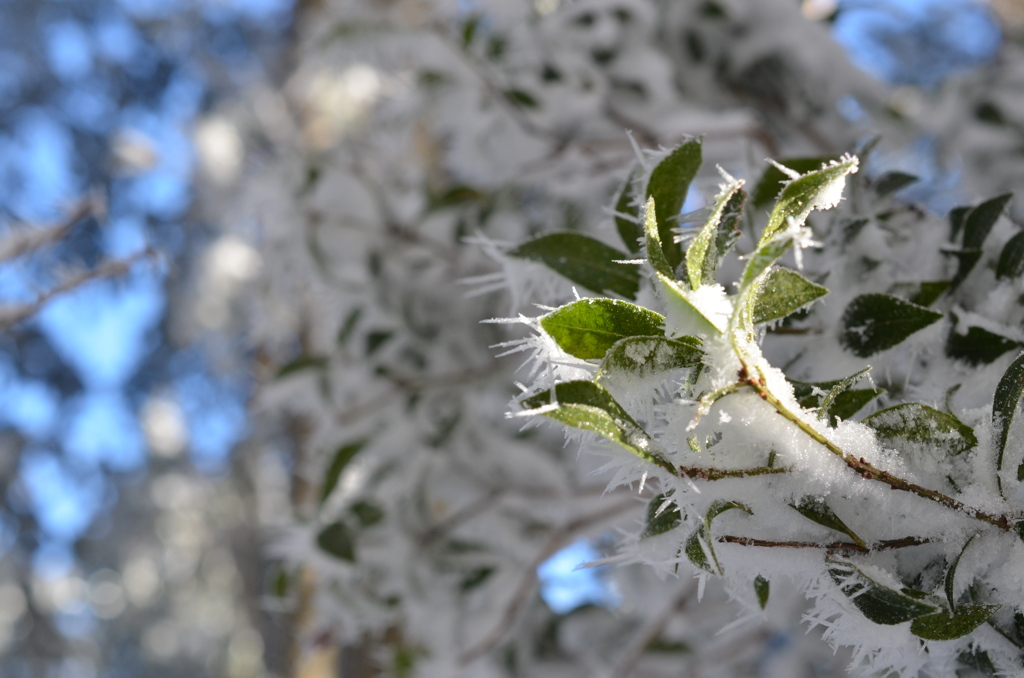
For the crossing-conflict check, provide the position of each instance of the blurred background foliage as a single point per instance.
(131, 536)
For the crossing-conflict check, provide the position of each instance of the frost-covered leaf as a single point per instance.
(890, 182)
(699, 545)
(916, 423)
(1011, 259)
(844, 404)
(784, 292)
(947, 626)
(875, 322)
(816, 190)
(978, 346)
(815, 509)
(752, 283)
(587, 328)
(662, 517)
(729, 228)
(878, 603)
(842, 386)
(583, 260)
(336, 539)
(675, 296)
(630, 230)
(762, 587)
(587, 406)
(1004, 407)
(341, 458)
(668, 185)
(639, 357)
(702, 255)
(771, 182)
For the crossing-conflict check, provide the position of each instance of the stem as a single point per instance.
(885, 545)
(721, 474)
(867, 470)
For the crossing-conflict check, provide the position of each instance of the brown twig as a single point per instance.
(721, 474)
(13, 315)
(886, 545)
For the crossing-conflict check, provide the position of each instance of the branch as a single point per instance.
(886, 545)
(12, 315)
(867, 470)
(25, 240)
(529, 579)
(653, 629)
(720, 474)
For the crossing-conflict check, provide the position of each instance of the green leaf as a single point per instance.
(336, 539)
(956, 220)
(305, 362)
(587, 406)
(630, 230)
(675, 296)
(1011, 259)
(753, 281)
(978, 346)
(815, 509)
(521, 98)
(978, 659)
(844, 405)
(784, 292)
(922, 294)
(702, 255)
(639, 357)
(699, 544)
(668, 185)
(770, 183)
(890, 182)
(762, 587)
(341, 459)
(917, 423)
(875, 322)
(951, 573)
(948, 626)
(366, 513)
(475, 578)
(587, 328)
(829, 401)
(457, 195)
(661, 517)
(376, 339)
(814, 190)
(979, 221)
(469, 29)
(966, 259)
(1004, 406)
(878, 603)
(976, 223)
(583, 260)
